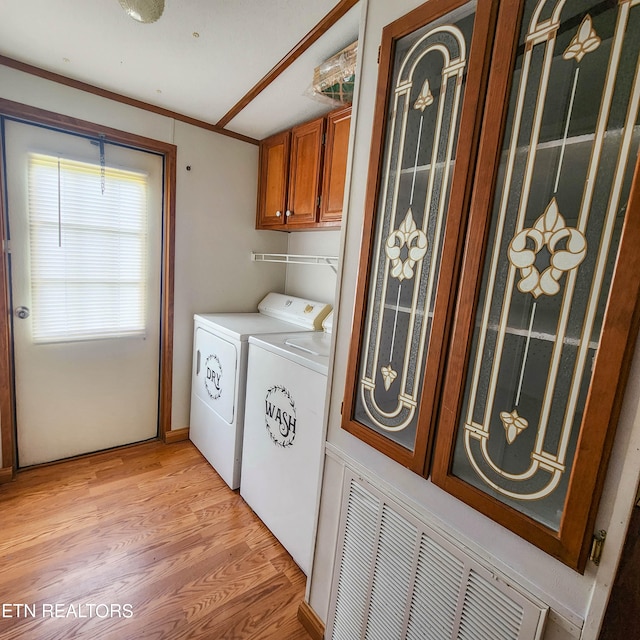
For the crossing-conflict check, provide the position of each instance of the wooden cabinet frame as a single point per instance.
(335, 166)
(469, 119)
(305, 173)
(273, 181)
(571, 542)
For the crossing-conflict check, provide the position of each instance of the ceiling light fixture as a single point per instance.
(143, 10)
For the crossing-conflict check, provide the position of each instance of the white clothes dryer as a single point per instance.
(219, 373)
(284, 435)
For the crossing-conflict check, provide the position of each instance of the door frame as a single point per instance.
(623, 605)
(168, 151)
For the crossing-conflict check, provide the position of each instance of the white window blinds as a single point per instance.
(88, 250)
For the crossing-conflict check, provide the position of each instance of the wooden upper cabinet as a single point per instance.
(302, 174)
(273, 179)
(547, 308)
(305, 173)
(335, 165)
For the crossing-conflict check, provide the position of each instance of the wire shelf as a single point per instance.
(288, 258)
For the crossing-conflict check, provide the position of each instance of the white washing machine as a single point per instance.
(220, 367)
(283, 435)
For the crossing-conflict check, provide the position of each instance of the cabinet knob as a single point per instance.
(278, 214)
(288, 213)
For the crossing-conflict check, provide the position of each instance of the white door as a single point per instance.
(85, 227)
(214, 375)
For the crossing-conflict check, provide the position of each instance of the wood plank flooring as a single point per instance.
(145, 542)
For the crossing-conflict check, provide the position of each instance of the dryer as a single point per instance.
(284, 435)
(220, 367)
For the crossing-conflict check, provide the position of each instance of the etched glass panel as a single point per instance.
(422, 126)
(570, 149)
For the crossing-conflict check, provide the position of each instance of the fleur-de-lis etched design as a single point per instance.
(585, 41)
(416, 242)
(425, 99)
(513, 424)
(388, 376)
(567, 248)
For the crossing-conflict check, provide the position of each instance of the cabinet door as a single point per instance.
(547, 311)
(335, 165)
(430, 84)
(273, 180)
(304, 173)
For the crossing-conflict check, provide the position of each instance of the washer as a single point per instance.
(219, 373)
(283, 435)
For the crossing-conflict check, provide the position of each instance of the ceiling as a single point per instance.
(199, 59)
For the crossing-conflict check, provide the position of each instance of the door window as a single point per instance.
(88, 247)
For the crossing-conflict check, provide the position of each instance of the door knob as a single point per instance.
(23, 312)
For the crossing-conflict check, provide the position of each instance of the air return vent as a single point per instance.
(396, 578)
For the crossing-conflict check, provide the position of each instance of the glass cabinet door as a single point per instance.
(545, 314)
(432, 74)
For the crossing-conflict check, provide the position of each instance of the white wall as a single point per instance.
(317, 282)
(215, 213)
(576, 600)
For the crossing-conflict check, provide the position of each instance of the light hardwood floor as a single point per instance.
(154, 540)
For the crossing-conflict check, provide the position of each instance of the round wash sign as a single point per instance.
(280, 416)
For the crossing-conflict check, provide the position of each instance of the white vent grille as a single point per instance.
(488, 613)
(391, 576)
(434, 601)
(358, 539)
(396, 578)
